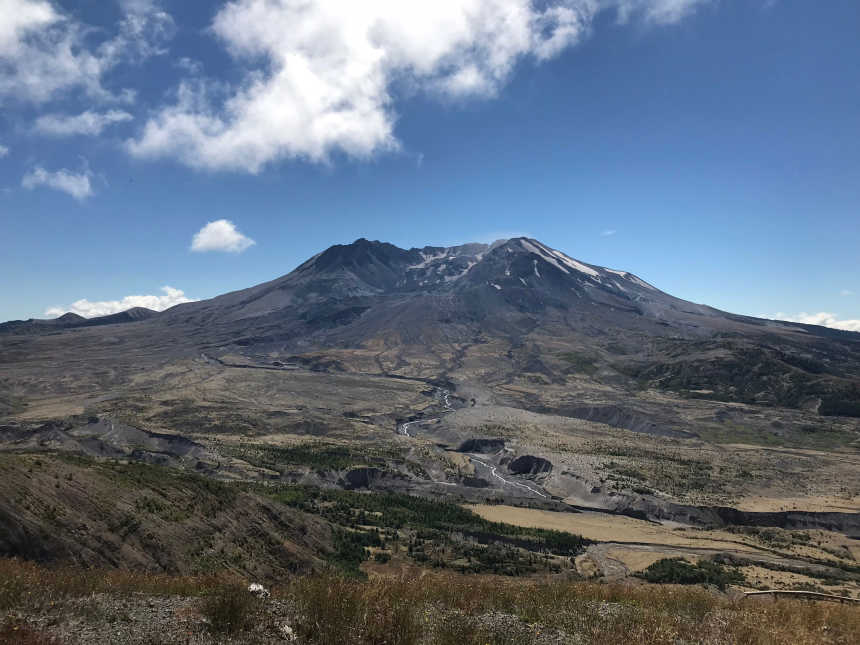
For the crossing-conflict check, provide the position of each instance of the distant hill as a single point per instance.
(72, 320)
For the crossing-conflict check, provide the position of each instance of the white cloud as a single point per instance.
(44, 51)
(88, 309)
(220, 235)
(75, 184)
(3, 151)
(190, 66)
(822, 318)
(661, 12)
(87, 123)
(322, 74)
(608, 232)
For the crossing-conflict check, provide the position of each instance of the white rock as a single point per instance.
(258, 589)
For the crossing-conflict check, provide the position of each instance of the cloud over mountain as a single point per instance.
(823, 318)
(89, 309)
(220, 235)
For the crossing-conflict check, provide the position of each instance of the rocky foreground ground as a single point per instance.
(42, 606)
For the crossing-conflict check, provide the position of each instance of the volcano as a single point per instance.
(370, 306)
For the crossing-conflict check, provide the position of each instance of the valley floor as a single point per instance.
(459, 512)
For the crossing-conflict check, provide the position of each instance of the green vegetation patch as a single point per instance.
(318, 456)
(681, 572)
(396, 510)
(435, 533)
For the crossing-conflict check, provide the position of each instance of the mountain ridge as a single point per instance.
(72, 320)
(372, 268)
(367, 267)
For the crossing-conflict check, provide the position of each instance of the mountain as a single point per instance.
(373, 307)
(484, 282)
(412, 306)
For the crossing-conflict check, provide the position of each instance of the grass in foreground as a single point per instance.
(435, 609)
(35, 586)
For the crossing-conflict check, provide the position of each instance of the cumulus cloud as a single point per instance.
(3, 151)
(87, 123)
(220, 235)
(88, 309)
(608, 232)
(321, 75)
(77, 185)
(44, 51)
(823, 318)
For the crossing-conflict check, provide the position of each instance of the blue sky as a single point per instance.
(710, 147)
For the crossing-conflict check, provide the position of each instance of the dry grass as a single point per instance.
(338, 610)
(438, 608)
(25, 584)
(603, 527)
(444, 608)
(230, 609)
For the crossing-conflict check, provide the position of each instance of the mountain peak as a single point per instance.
(559, 260)
(70, 318)
(366, 266)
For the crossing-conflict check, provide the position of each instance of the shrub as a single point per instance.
(679, 571)
(230, 609)
(349, 551)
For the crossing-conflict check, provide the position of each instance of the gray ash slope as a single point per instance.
(524, 292)
(513, 276)
(521, 273)
(531, 302)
